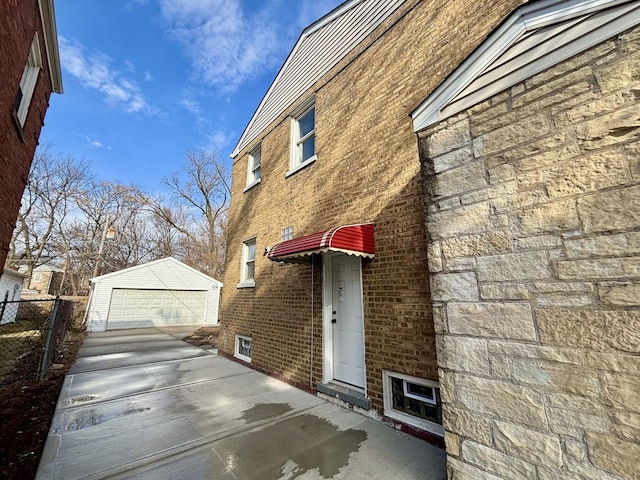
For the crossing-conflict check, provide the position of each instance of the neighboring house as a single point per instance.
(165, 292)
(30, 73)
(531, 159)
(501, 142)
(47, 279)
(10, 289)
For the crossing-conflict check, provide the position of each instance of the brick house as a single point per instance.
(327, 243)
(30, 73)
(505, 234)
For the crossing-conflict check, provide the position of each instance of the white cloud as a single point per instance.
(147, 76)
(226, 45)
(312, 10)
(94, 71)
(191, 104)
(220, 141)
(95, 142)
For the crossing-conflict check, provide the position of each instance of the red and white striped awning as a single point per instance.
(350, 239)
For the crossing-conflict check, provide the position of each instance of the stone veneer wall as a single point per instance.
(533, 219)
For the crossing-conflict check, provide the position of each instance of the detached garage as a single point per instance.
(161, 293)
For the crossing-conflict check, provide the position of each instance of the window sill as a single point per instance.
(242, 357)
(246, 284)
(416, 422)
(301, 166)
(19, 126)
(251, 185)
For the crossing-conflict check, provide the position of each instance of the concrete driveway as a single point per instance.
(143, 404)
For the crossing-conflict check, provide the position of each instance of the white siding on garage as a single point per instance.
(168, 275)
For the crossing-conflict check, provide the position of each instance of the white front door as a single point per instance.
(347, 322)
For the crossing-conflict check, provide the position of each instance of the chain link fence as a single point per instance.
(31, 332)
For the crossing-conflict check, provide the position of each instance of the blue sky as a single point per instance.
(147, 80)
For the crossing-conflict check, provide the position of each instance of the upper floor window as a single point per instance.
(286, 233)
(248, 263)
(303, 139)
(28, 82)
(253, 168)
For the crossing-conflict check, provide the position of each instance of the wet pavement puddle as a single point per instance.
(290, 448)
(264, 411)
(90, 418)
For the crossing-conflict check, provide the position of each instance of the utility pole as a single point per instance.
(109, 233)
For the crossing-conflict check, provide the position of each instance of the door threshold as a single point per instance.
(344, 393)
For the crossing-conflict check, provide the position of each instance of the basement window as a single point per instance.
(412, 400)
(243, 348)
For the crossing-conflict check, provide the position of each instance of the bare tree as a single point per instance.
(196, 207)
(54, 183)
(105, 205)
(65, 212)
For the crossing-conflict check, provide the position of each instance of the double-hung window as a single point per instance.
(253, 168)
(303, 139)
(248, 264)
(28, 82)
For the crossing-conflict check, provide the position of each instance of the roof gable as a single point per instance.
(13, 273)
(535, 37)
(170, 263)
(320, 47)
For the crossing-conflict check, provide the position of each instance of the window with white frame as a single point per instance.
(413, 400)
(243, 348)
(28, 82)
(253, 167)
(303, 139)
(286, 233)
(37, 277)
(248, 263)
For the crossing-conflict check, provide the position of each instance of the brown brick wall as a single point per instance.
(19, 20)
(367, 170)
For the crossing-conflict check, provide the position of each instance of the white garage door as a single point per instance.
(147, 308)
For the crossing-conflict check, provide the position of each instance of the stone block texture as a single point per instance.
(367, 169)
(19, 21)
(536, 191)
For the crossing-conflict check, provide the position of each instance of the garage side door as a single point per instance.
(135, 308)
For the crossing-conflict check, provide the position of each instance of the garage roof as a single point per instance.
(169, 268)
